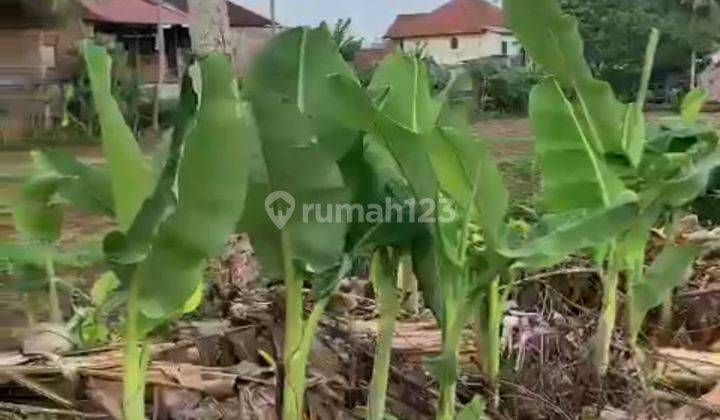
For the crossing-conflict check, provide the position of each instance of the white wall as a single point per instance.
(470, 47)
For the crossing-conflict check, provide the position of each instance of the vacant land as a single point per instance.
(511, 139)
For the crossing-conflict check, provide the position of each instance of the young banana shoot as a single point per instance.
(382, 269)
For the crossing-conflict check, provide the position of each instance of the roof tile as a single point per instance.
(454, 18)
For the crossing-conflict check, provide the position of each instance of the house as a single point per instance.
(134, 23)
(369, 58)
(38, 49)
(37, 53)
(250, 31)
(457, 32)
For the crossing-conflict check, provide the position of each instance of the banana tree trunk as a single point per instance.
(209, 26)
(609, 312)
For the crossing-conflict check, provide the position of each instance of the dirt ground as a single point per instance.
(545, 371)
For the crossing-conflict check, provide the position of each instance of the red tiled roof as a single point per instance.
(368, 58)
(454, 18)
(239, 15)
(138, 12)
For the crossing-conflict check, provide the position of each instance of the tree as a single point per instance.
(615, 33)
(347, 43)
(209, 26)
(697, 24)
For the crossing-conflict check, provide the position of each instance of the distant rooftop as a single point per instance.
(174, 12)
(456, 17)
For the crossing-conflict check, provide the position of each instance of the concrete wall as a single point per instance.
(33, 65)
(469, 47)
(247, 44)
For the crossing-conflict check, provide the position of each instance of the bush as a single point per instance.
(501, 87)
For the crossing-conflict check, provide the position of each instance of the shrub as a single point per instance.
(500, 87)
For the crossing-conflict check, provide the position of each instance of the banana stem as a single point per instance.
(55, 311)
(448, 368)
(492, 338)
(609, 311)
(294, 386)
(409, 285)
(389, 308)
(634, 322)
(136, 356)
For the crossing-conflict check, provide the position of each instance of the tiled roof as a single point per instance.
(137, 12)
(368, 58)
(454, 18)
(239, 15)
(175, 12)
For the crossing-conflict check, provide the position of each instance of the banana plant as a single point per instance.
(575, 139)
(38, 215)
(594, 149)
(302, 137)
(447, 163)
(677, 164)
(169, 226)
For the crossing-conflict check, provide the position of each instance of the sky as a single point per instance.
(370, 18)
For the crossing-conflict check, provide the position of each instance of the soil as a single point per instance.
(223, 361)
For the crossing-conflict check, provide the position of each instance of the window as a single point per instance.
(504, 48)
(402, 44)
(454, 43)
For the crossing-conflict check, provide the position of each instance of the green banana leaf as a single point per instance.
(408, 101)
(132, 247)
(82, 255)
(474, 410)
(574, 175)
(690, 184)
(130, 172)
(84, 186)
(489, 193)
(37, 214)
(211, 195)
(553, 40)
(670, 270)
(295, 66)
(595, 228)
(286, 149)
(691, 106)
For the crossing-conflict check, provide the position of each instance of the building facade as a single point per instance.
(457, 32)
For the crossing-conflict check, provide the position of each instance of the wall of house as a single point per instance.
(34, 63)
(247, 44)
(469, 47)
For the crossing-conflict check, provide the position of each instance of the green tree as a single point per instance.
(348, 44)
(615, 33)
(697, 24)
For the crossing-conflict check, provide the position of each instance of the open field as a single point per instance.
(511, 139)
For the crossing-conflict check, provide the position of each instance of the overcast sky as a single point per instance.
(370, 18)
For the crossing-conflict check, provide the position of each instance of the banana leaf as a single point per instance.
(84, 186)
(132, 247)
(670, 270)
(130, 172)
(211, 195)
(574, 174)
(295, 66)
(553, 41)
(408, 101)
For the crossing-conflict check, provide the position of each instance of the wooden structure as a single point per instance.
(38, 53)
